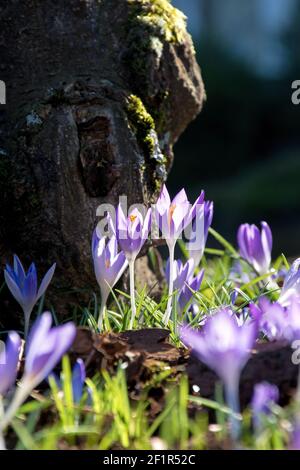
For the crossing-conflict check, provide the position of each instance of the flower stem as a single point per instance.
(102, 310)
(132, 294)
(19, 397)
(2, 441)
(168, 312)
(232, 399)
(26, 323)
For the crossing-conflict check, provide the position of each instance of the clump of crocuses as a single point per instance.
(24, 286)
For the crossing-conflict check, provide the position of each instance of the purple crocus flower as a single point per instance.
(200, 226)
(78, 379)
(183, 281)
(256, 246)
(265, 395)
(131, 232)
(181, 273)
(24, 286)
(225, 347)
(291, 285)
(109, 265)
(278, 322)
(191, 285)
(9, 359)
(172, 218)
(292, 331)
(45, 347)
(271, 317)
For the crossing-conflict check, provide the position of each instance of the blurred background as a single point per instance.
(244, 148)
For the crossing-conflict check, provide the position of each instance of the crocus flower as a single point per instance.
(256, 246)
(172, 218)
(291, 285)
(271, 317)
(202, 222)
(278, 322)
(24, 286)
(181, 273)
(183, 281)
(131, 232)
(265, 395)
(44, 349)
(78, 379)
(109, 265)
(191, 285)
(9, 359)
(225, 347)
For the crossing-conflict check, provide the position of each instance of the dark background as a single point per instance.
(244, 148)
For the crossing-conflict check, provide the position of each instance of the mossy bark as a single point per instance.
(70, 138)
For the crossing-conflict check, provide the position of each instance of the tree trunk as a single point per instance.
(98, 91)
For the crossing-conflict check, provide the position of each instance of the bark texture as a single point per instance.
(98, 91)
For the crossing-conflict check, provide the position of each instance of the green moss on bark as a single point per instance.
(160, 18)
(142, 123)
(151, 24)
(143, 126)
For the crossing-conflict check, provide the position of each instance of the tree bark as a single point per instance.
(98, 91)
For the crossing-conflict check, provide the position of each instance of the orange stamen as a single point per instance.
(132, 218)
(171, 212)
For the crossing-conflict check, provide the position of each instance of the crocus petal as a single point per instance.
(13, 287)
(291, 285)
(46, 281)
(146, 225)
(164, 201)
(9, 359)
(180, 198)
(19, 270)
(267, 238)
(198, 204)
(30, 289)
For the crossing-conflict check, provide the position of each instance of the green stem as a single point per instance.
(2, 441)
(26, 323)
(102, 310)
(132, 293)
(168, 312)
(19, 397)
